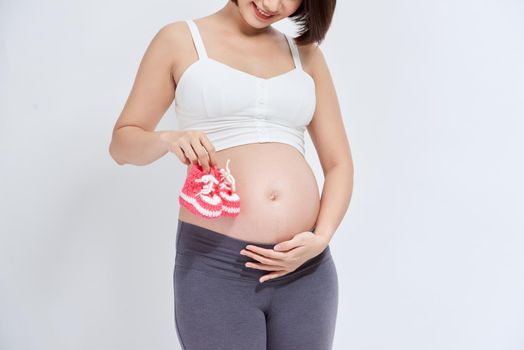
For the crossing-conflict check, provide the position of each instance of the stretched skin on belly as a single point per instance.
(278, 190)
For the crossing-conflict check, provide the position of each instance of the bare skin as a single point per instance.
(278, 190)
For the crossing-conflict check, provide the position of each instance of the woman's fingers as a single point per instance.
(270, 253)
(194, 147)
(209, 148)
(263, 259)
(263, 266)
(202, 154)
(188, 151)
(177, 150)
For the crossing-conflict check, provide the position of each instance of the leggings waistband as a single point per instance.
(212, 252)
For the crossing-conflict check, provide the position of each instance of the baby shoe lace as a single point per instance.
(210, 181)
(229, 180)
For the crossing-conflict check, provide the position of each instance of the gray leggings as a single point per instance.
(221, 305)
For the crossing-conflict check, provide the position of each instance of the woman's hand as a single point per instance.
(191, 147)
(287, 256)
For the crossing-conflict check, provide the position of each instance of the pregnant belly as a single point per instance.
(279, 195)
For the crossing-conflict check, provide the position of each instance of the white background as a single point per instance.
(429, 255)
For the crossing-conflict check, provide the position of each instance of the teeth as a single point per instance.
(265, 13)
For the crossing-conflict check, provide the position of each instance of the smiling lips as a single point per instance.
(260, 14)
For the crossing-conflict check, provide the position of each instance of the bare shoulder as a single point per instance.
(312, 58)
(177, 37)
(173, 35)
(174, 31)
(166, 40)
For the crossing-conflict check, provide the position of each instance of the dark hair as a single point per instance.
(313, 18)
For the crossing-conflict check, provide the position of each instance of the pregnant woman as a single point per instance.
(244, 95)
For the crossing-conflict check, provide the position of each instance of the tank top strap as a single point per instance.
(197, 39)
(294, 51)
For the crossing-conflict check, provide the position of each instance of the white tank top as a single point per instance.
(235, 108)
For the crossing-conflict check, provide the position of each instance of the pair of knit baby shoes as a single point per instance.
(210, 195)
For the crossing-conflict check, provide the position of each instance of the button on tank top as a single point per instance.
(234, 107)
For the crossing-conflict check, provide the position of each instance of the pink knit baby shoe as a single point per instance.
(230, 199)
(200, 193)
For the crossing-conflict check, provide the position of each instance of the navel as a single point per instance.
(274, 195)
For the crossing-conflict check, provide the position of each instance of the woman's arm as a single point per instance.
(134, 139)
(329, 137)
